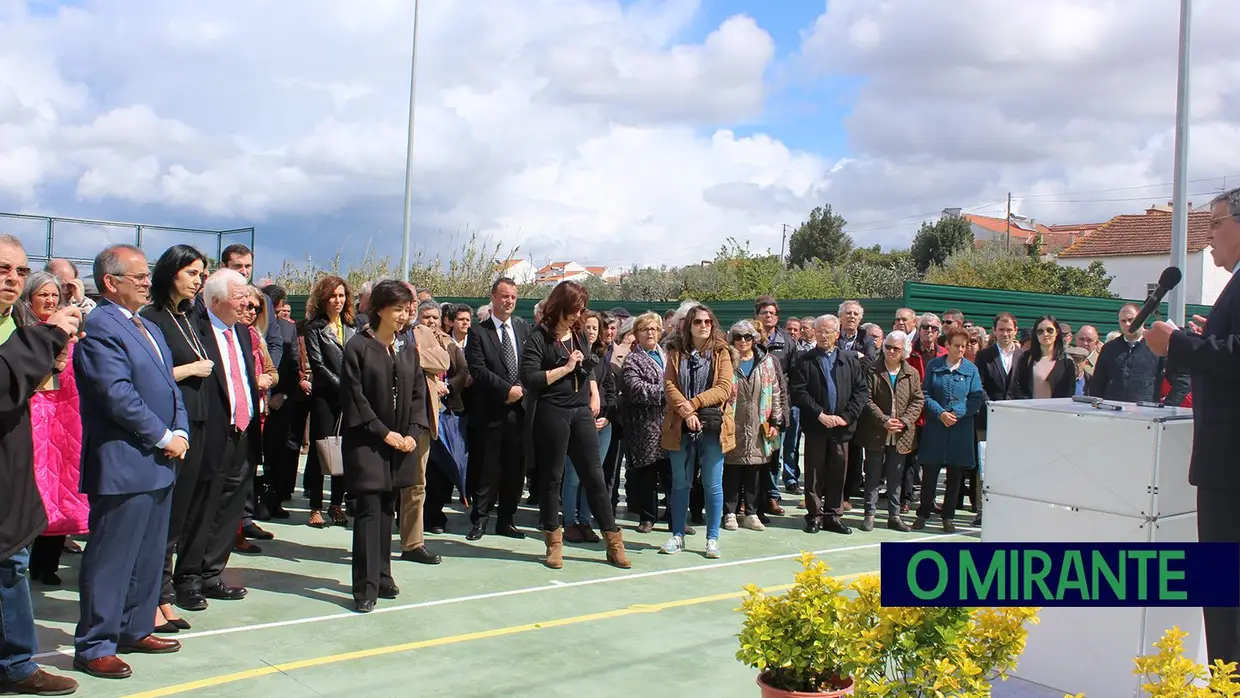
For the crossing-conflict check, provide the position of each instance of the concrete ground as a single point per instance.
(490, 620)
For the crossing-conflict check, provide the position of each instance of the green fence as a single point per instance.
(980, 305)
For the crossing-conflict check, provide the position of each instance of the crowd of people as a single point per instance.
(166, 418)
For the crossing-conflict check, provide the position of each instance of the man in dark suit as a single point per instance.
(240, 259)
(233, 428)
(829, 386)
(133, 434)
(287, 396)
(497, 414)
(1210, 351)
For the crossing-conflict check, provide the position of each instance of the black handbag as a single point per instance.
(710, 417)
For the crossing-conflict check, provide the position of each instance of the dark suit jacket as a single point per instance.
(369, 413)
(808, 385)
(1062, 378)
(489, 393)
(26, 358)
(289, 366)
(865, 347)
(1213, 358)
(997, 382)
(219, 410)
(133, 404)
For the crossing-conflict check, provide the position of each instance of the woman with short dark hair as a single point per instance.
(384, 409)
(557, 371)
(176, 280)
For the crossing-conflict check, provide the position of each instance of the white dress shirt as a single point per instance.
(512, 336)
(217, 329)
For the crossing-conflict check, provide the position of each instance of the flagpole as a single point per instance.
(1179, 200)
(413, 89)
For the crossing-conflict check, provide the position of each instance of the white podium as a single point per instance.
(1060, 470)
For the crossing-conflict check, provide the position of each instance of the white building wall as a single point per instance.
(1214, 277)
(1202, 280)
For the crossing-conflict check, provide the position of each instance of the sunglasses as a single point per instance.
(1047, 330)
(739, 337)
(895, 347)
(700, 322)
(252, 308)
(930, 328)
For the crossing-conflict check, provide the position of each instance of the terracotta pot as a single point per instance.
(769, 691)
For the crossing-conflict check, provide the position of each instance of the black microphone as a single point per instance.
(1169, 279)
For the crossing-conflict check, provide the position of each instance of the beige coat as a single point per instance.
(435, 360)
(719, 395)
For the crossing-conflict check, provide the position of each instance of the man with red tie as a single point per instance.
(134, 434)
(233, 431)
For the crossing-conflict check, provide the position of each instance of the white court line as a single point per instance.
(67, 651)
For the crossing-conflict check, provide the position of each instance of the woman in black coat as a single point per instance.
(1045, 371)
(328, 330)
(385, 408)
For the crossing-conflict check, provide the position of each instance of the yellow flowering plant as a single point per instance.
(824, 633)
(1168, 673)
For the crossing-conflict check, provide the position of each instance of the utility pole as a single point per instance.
(784, 239)
(1179, 202)
(1008, 244)
(413, 88)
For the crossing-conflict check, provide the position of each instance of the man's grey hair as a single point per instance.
(1232, 199)
(108, 263)
(218, 284)
(848, 304)
(906, 311)
(824, 319)
(50, 267)
(866, 327)
(11, 241)
(367, 288)
(929, 317)
(429, 304)
(38, 280)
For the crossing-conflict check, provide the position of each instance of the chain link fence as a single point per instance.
(79, 240)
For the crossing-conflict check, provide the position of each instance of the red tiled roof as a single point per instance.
(1054, 238)
(1144, 234)
(597, 271)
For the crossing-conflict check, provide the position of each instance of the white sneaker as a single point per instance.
(729, 522)
(753, 523)
(674, 545)
(712, 549)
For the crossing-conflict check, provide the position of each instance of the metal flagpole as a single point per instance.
(1179, 201)
(413, 88)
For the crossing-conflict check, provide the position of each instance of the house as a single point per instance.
(1024, 231)
(556, 272)
(1135, 248)
(520, 270)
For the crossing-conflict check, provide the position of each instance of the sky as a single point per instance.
(604, 132)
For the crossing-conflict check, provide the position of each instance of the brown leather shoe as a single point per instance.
(775, 509)
(555, 548)
(151, 645)
(111, 667)
(41, 683)
(587, 534)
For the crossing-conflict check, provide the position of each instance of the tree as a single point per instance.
(822, 237)
(937, 241)
(992, 266)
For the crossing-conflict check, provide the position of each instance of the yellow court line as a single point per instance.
(449, 640)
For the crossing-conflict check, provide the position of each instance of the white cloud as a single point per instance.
(589, 129)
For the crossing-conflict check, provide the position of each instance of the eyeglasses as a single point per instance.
(893, 347)
(7, 269)
(1047, 330)
(702, 322)
(930, 328)
(739, 337)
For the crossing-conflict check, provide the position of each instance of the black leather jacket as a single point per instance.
(325, 354)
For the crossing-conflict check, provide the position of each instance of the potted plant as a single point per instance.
(825, 637)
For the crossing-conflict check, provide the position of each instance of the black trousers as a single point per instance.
(825, 471)
(45, 554)
(373, 514)
(855, 474)
(496, 454)
(219, 499)
(641, 489)
(438, 495)
(278, 458)
(741, 481)
(560, 432)
(1218, 521)
(183, 492)
(930, 487)
(312, 483)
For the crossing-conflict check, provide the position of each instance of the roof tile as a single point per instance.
(1144, 234)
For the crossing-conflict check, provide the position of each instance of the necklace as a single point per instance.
(190, 337)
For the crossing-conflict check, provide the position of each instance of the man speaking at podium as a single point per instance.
(1210, 350)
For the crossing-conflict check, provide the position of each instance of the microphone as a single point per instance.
(1169, 279)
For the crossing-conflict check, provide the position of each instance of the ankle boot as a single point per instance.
(615, 549)
(555, 548)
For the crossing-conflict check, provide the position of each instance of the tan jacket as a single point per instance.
(719, 395)
(435, 360)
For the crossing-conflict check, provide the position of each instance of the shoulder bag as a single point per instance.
(331, 460)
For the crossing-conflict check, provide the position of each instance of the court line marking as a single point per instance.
(635, 609)
(67, 651)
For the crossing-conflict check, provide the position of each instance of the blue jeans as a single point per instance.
(792, 447)
(18, 638)
(576, 506)
(704, 451)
